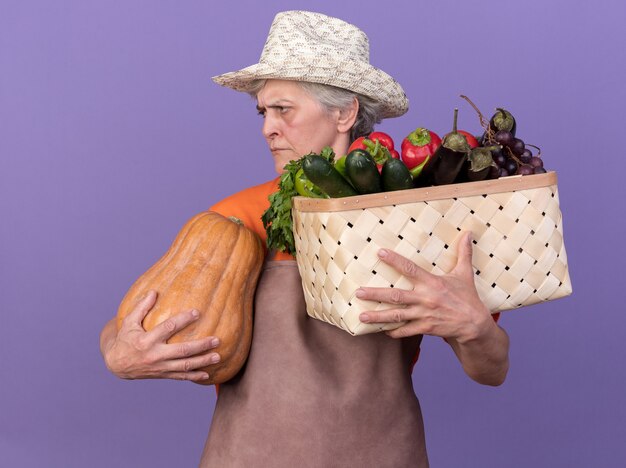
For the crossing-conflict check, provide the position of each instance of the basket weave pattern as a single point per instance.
(519, 256)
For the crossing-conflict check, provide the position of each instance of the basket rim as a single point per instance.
(465, 189)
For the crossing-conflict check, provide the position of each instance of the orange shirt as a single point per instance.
(249, 205)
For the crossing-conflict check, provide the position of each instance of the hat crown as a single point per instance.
(303, 33)
(312, 47)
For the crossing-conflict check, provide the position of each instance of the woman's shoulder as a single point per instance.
(256, 196)
(248, 205)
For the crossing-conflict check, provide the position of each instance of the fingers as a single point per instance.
(175, 323)
(192, 365)
(412, 270)
(387, 295)
(192, 348)
(410, 324)
(142, 308)
(402, 264)
(385, 316)
(184, 361)
(410, 329)
(197, 376)
(464, 260)
(395, 296)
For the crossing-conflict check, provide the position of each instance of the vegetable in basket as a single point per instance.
(471, 139)
(362, 172)
(386, 141)
(501, 120)
(395, 176)
(479, 164)
(444, 166)
(379, 145)
(305, 187)
(417, 147)
(512, 157)
(277, 218)
(324, 175)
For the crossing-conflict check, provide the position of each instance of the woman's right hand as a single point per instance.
(133, 353)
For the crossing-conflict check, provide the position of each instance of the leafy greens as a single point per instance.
(277, 219)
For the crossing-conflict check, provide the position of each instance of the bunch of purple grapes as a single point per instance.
(513, 158)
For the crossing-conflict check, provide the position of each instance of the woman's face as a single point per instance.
(295, 123)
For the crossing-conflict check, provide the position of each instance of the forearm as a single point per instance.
(485, 356)
(107, 335)
(107, 339)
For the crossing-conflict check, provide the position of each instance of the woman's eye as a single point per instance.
(274, 109)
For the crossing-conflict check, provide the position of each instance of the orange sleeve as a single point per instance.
(249, 205)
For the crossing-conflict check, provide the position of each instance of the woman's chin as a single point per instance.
(282, 161)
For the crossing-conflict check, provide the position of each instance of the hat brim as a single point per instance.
(354, 76)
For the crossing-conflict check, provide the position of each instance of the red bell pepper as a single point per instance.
(379, 145)
(357, 144)
(383, 138)
(418, 147)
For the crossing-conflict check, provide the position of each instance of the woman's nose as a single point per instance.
(270, 126)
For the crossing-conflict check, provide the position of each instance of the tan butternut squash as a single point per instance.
(212, 266)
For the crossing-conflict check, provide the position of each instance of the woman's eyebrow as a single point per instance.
(277, 103)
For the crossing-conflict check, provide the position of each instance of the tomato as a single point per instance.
(471, 139)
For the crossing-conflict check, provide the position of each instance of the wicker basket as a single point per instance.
(519, 256)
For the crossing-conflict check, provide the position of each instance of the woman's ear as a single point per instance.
(347, 117)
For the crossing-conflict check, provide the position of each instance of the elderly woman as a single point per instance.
(310, 394)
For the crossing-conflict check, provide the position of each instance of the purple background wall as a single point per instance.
(112, 135)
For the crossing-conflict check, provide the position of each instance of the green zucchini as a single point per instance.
(324, 175)
(362, 172)
(395, 176)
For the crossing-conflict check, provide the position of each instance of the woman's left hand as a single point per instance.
(442, 305)
(447, 306)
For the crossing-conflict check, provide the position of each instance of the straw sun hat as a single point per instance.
(306, 46)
